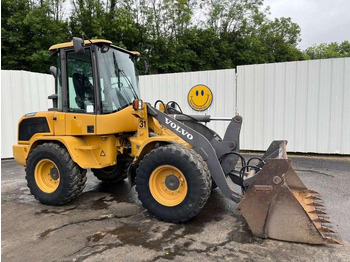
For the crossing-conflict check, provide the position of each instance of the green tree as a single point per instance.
(87, 18)
(174, 35)
(28, 30)
(232, 16)
(274, 41)
(332, 50)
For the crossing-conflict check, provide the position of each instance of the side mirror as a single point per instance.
(53, 71)
(78, 44)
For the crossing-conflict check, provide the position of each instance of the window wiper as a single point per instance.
(129, 83)
(118, 71)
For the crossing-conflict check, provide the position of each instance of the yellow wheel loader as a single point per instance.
(99, 122)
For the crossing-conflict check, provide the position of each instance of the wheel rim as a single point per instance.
(47, 176)
(168, 185)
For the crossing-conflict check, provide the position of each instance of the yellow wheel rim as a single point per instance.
(168, 185)
(47, 176)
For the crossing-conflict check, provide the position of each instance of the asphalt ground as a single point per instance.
(108, 223)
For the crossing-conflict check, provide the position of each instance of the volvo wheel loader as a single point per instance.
(99, 122)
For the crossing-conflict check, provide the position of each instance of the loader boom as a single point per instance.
(202, 146)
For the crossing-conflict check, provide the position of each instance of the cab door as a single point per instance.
(80, 118)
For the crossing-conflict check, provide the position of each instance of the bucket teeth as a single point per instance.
(327, 229)
(313, 197)
(313, 191)
(318, 212)
(333, 241)
(322, 220)
(330, 234)
(290, 205)
(316, 204)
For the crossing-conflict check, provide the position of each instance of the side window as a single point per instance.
(80, 82)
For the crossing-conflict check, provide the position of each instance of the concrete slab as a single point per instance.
(108, 223)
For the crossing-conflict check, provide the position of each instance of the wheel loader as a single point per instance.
(99, 122)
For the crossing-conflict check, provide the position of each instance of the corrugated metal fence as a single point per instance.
(175, 87)
(21, 92)
(305, 102)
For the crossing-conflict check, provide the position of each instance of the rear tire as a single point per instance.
(52, 176)
(113, 174)
(177, 169)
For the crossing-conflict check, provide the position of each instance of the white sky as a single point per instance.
(321, 21)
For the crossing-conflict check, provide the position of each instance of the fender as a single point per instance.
(145, 148)
(84, 150)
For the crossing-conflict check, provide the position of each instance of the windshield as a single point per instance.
(118, 79)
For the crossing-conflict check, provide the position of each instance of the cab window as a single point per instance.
(80, 82)
(118, 79)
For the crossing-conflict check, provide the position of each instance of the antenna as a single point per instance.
(83, 36)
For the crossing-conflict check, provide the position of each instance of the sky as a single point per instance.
(321, 21)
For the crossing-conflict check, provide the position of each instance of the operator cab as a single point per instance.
(93, 77)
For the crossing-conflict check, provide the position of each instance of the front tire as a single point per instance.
(52, 176)
(173, 182)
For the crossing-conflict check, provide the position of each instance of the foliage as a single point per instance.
(332, 50)
(28, 30)
(174, 35)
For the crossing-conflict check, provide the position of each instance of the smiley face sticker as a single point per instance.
(200, 97)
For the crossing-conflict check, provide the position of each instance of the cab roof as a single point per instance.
(87, 42)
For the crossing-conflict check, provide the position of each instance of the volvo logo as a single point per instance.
(178, 129)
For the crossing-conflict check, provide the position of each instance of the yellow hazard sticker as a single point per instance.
(200, 97)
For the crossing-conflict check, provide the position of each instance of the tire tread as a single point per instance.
(76, 175)
(199, 167)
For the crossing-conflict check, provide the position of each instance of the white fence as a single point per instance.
(21, 92)
(307, 102)
(175, 87)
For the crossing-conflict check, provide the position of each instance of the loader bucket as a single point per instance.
(278, 205)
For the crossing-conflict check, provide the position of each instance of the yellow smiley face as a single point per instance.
(200, 97)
